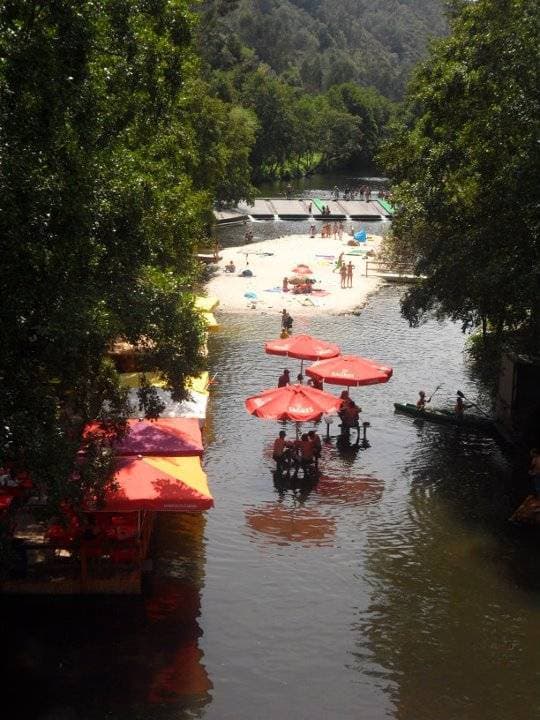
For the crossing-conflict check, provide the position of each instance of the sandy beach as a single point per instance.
(272, 260)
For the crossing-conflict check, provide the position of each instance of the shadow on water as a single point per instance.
(94, 658)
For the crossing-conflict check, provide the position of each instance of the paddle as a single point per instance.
(463, 397)
(433, 393)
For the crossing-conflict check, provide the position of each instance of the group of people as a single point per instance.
(350, 193)
(334, 230)
(303, 452)
(346, 274)
(459, 407)
(285, 379)
(298, 286)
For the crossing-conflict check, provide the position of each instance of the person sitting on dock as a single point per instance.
(284, 379)
(230, 267)
(281, 452)
(534, 471)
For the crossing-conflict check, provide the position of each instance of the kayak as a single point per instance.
(447, 417)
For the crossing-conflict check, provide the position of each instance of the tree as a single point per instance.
(100, 210)
(463, 158)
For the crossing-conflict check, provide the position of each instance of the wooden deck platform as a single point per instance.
(50, 570)
(229, 217)
(361, 210)
(290, 208)
(260, 209)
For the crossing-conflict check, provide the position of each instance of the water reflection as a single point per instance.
(434, 631)
(283, 523)
(350, 491)
(91, 658)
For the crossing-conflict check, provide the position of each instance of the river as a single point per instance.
(394, 588)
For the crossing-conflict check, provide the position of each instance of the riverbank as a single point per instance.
(272, 260)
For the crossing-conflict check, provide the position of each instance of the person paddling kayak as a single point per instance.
(422, 401)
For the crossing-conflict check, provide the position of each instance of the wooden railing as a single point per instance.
(379, 266)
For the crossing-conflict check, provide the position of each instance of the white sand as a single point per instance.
(269, 271)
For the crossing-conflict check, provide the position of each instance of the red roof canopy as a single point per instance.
(171, 437)
(176, 484)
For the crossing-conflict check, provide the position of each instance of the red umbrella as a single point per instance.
(303, 347)
(350, 370)
(292, 402)
(303, 270)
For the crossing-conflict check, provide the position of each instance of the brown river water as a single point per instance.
(395, 587)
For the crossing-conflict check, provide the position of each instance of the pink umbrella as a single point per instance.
(350, 370)
(303, 270)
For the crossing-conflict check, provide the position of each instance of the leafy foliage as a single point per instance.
(111, 156)
(464, 158)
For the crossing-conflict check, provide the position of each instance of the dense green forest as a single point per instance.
(463, 157)
(320, 77)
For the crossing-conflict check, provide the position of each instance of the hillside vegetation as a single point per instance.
(319, 77)
(319, 43)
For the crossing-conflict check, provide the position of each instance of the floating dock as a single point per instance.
(304, 208)
(229, 217)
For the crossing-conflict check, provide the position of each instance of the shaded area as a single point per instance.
(113, 657)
